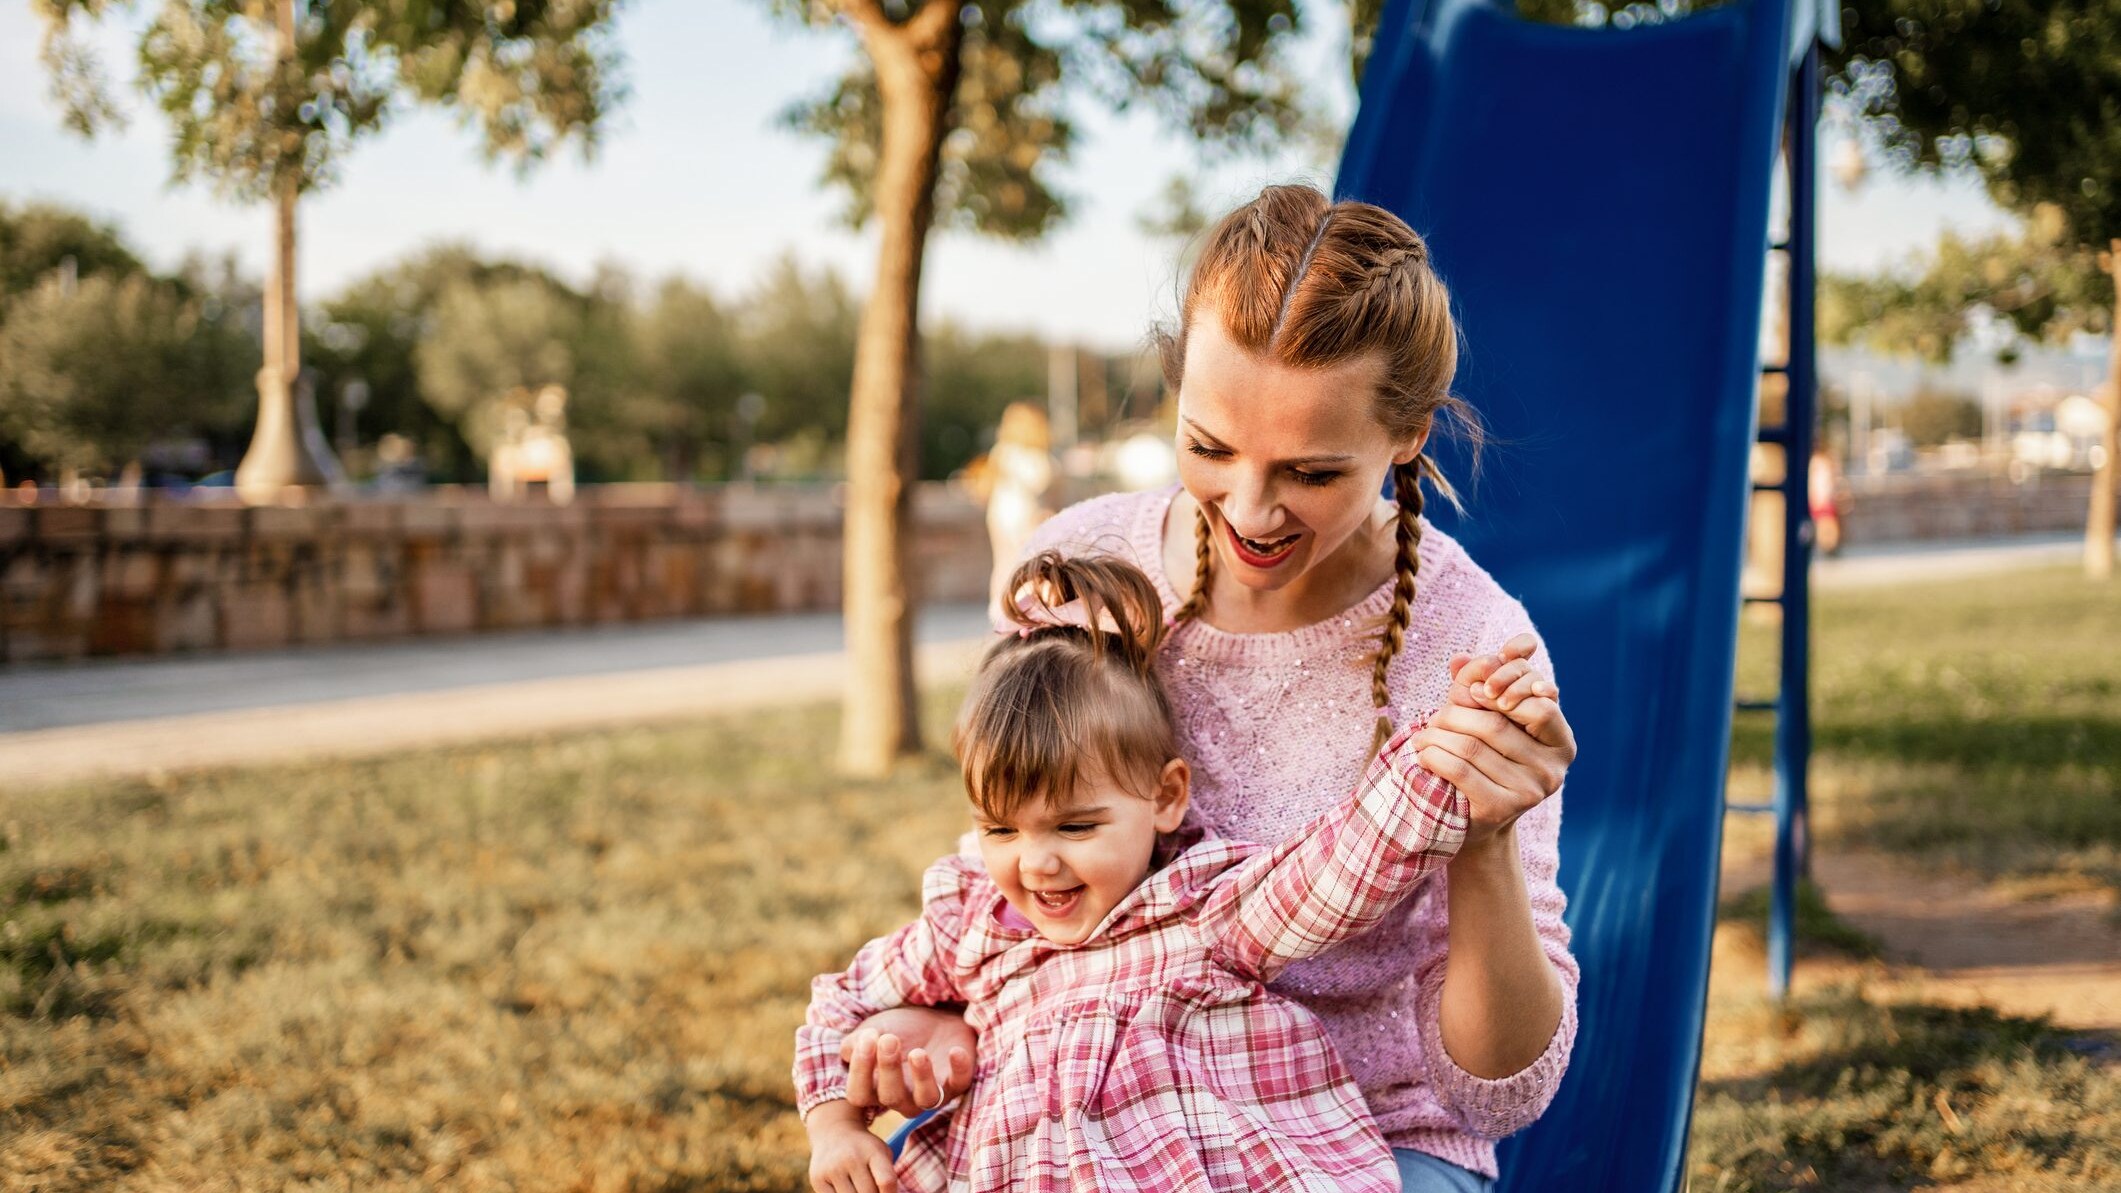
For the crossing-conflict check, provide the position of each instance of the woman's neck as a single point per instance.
(1338, 582)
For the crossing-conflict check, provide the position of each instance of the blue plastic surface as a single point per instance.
(1598, 203)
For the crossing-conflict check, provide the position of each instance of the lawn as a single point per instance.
(576, 964)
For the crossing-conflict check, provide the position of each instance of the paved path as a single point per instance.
(132, 717)
(1899, 563)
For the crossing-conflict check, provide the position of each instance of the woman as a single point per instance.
(1312, 360)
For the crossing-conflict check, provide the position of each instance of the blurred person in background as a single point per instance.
(1823, 486)
(1018, 472)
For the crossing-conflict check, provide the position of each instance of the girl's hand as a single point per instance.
(844, 1156)
(1506, 752)
(908, 1059)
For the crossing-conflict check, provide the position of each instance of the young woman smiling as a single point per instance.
(1312, 360)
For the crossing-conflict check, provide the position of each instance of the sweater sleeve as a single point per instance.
(1494, 1108)
(911, 967)
(1338, 876)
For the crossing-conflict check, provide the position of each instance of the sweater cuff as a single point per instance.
(1499, 1106)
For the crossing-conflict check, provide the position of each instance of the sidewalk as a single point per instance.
(132, 717)
(1863, 566)
(66, 722)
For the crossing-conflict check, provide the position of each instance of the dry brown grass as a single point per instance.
(570, 965)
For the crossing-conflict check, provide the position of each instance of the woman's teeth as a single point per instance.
(1267, 546)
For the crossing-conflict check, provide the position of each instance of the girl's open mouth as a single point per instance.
(1261, 553)
(1057, 903)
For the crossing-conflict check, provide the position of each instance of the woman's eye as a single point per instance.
(1205, 452)
(1314, 478)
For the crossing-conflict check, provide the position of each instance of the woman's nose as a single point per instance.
(1250, 509)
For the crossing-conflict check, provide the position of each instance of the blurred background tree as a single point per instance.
(265, 99)
(94, 371)
(955, 117)
(2027, 94)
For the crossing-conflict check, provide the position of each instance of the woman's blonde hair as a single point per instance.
(1057, 703)
(1310, 283)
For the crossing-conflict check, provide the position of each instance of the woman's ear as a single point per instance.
(1411, 448)
(1173, 792)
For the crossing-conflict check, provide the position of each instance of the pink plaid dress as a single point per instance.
(1151, 1056)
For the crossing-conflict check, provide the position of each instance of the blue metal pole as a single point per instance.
(1793, 715)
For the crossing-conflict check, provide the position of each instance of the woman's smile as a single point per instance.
(1261, 553)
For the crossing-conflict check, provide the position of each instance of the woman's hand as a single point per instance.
(908, 1059)
(1500, 738)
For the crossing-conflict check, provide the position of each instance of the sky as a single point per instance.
(694, 177)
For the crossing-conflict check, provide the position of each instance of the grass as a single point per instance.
(576, 964)
(568, 965)
(1974, 724)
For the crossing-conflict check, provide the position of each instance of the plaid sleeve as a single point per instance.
(910, 967)
(1336, 877)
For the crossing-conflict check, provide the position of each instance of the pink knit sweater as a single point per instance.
(1276, 728)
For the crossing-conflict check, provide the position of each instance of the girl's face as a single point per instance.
(1287, 463)
(1065, 863)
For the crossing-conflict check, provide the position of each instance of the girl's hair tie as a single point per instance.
(1035, 611)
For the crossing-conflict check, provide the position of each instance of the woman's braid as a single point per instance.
(1203, 554)
(1406, 487)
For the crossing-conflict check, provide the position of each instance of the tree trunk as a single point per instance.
(279, 457)
(2099, 522)
(916, 70)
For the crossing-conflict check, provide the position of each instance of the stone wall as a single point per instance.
(1901, 508)
(164, 576)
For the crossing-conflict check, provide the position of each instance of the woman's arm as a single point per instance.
(1506, 1000)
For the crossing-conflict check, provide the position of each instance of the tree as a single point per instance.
(798, 332)
(489, 339)
(690, 375)
(37, 239)
(2034, 279)
(264, 102)
(92, 371)
(2026, 93)
(955, 117)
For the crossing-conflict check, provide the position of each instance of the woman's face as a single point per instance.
(1286, 463)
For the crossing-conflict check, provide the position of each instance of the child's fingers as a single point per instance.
(1523, 688)
(1520, 646)
(880, 1169)
(959, 1077)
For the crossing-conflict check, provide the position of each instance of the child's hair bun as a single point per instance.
(1103, 598)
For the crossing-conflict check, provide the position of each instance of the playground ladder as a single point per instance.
(1792, 701)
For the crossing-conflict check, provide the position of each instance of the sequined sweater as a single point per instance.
(1276, 728)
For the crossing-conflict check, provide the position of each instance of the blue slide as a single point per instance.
(1598, 203)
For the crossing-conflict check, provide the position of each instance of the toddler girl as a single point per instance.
(1113, 958)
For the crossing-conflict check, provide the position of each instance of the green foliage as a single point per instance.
(970, 379)
(94, 371)
(36, 239)
(529, 76)
(2025, 92)
(1934, 416)
(691, 373)
(2042, 284)
(1213, 71)
(798, 331)
(490, 338)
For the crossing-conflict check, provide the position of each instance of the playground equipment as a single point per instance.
(1599, 203)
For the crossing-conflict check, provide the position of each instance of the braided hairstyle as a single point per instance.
(1309, 283)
